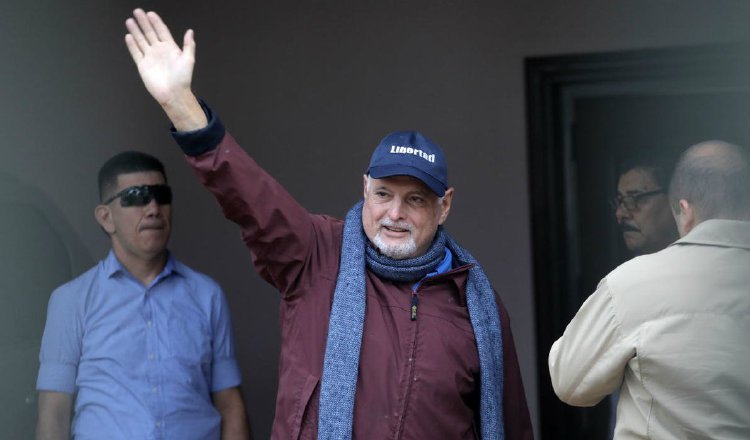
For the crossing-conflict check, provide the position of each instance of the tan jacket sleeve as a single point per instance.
(588, 362)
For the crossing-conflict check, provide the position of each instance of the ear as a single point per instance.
(364, 186)
(687, 220)
(446, 206)
(103, 216)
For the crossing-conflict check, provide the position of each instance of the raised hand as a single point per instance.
(165, 68)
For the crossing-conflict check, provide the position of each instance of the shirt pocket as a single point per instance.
(189, 336)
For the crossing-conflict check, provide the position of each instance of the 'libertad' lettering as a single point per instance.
(397, 149)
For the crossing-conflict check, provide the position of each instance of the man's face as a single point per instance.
(401, 215)
(649, 225)
(138, 232)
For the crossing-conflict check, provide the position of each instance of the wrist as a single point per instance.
(185, 112)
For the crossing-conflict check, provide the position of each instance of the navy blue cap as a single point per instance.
(410, 153)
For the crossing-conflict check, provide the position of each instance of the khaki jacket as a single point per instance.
(671, 330)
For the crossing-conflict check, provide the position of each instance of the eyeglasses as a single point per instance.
(142, 195)
(632, 202)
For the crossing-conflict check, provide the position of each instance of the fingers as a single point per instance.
(146, 29)
(161, 31)
(133, 48)
(136, 36)
(188, 44)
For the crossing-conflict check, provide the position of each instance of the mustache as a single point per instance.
(625, 227)
(400, 224)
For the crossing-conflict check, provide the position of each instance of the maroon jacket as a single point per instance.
(417, 379)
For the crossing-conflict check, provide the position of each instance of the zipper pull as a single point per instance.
(414, 302)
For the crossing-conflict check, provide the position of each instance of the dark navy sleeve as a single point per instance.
(196, 142)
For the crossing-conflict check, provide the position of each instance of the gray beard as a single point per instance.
(396, 251)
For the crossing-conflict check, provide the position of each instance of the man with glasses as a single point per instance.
(140, 346)
(669, 329)
(642, 211)
(641, 205)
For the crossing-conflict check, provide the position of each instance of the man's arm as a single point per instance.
(234, 424)
(165, 68)
(53, 421)
(588, 361)
(275, 227)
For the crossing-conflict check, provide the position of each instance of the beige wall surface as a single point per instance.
(308, 87)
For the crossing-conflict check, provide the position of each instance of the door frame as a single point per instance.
(553, 84)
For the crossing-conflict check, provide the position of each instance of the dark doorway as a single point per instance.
(586, 114)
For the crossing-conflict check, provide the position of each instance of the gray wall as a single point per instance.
(309, 87)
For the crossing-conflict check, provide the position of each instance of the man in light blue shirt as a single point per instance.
(140, 346)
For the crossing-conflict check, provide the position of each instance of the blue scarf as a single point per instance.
(341, 362)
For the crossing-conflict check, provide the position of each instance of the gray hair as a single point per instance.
(367, 188)
(714, 177)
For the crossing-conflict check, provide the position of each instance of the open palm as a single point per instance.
(165, 68)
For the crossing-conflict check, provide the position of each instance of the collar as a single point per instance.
(444, 266)
(113, 267)
(718, 232)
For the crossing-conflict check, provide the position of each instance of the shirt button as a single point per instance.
(155, 389)
(148, 323)
(158, 424)
(151, 357)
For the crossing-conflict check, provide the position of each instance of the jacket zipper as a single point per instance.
(414, 304)
(412, 363)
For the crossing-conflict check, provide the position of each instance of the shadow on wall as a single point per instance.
(39, 252)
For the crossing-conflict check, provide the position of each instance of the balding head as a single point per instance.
(711, 181)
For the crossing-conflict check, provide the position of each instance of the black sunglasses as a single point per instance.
(142, 195)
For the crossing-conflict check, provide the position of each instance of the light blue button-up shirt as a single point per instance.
(142, 360)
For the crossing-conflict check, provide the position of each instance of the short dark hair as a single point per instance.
(714, 176)
(659, 164)
(124, 163)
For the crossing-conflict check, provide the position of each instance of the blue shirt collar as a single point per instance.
(112, 267)
(445, 265)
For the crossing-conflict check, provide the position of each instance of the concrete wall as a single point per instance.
(309, 87)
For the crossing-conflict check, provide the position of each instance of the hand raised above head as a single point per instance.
(165, 68)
